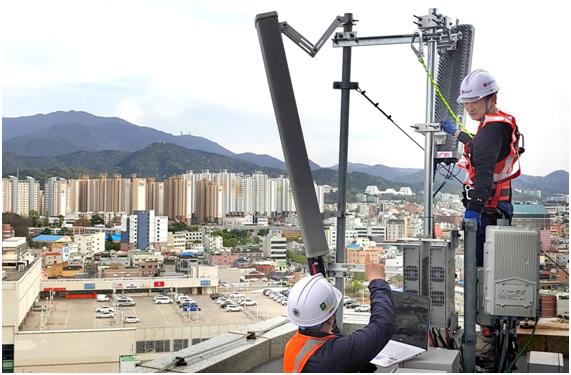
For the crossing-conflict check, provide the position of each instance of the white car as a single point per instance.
(363, 308)
(233, 308)
(105, 309)
(132, 319)
(284, 302)
(160, 301)
(103, 315)
(221, 300)
(248, 302)
(160, 296)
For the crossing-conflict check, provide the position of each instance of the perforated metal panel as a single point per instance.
(453, 66)
(415, 266)
(511, 271)
(441, 285)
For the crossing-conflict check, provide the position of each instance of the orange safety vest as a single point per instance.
(505, 170)
(299, 349)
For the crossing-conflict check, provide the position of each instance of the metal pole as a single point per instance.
(469, 351)
(342, 167)
(429, 143)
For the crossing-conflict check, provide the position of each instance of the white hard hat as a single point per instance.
(477, 85)
(312, 301)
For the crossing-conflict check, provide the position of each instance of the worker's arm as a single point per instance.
(488, 148)
(353, 352)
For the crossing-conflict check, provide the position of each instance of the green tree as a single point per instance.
(35, 217)
(229, 242)
(46, 231)
(63, 231)
(177, 226)
(82, 222)
(263, 232)
(96, 220)
(296, 257)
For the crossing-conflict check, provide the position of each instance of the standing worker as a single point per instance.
(491, 157)
(312, 304)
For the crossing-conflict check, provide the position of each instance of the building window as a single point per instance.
(140, 347)
(180, 344)
(7, 358)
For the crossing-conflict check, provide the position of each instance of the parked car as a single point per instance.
(165, 300)
(183, 300)
(104, 315)
(347, 300)
(215, 296)
(248, 302)
(105, 309)
(124, 303)
(103, 298)
(160, 296)
(266, 291)
(227, 303)
(233, 308)
(352, 305)
(132, 319)
(39, 308)
(284, 302)
(191, 308)
(123, 297)
(222, 300)
(363, 308)
(236, 295)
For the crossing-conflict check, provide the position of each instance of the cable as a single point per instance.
(446, 104)
(389, 117)
(505, 346)
(554, 262)
(524, 347)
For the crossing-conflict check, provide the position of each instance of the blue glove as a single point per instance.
(469, 214)
(448, 127)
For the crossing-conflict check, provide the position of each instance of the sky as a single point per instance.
(196, 67)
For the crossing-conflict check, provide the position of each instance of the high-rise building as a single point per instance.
(144, 230)
(156, 196)
(178, 198)
(138, 194)
(56, 196)
(20, 196)
(208, 194)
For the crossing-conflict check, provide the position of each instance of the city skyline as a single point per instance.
(173, 81)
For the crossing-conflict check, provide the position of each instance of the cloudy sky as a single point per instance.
(196, 67)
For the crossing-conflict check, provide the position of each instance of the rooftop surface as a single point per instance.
(529, 209)
(47, 238)
(11, 274)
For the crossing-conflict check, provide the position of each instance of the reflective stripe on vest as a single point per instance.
(504, 170)
(299, 349)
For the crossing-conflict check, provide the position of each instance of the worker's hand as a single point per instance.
(374, 271)
(448, 127)
(469, 214)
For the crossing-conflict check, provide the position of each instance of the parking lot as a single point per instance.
(67, 314)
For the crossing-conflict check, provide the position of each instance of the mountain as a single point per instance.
(379, 170)
(269, 161)
(59, 133)
(159, 160)
(555, 182)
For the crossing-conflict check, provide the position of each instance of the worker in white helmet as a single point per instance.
(491, 157)
(312, 304)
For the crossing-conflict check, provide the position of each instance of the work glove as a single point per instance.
(469, 214)
(448, 127)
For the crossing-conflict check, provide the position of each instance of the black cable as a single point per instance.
(554, 262)
(389, 117)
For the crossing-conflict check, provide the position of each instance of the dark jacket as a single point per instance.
(489, 146)
(354, 352)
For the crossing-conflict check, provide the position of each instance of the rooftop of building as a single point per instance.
(13, 242)
(13, 274)
(48, 238)
(529, 209)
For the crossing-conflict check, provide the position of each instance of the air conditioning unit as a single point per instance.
(511, 271)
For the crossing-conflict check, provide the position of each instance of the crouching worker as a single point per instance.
(312, 304)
